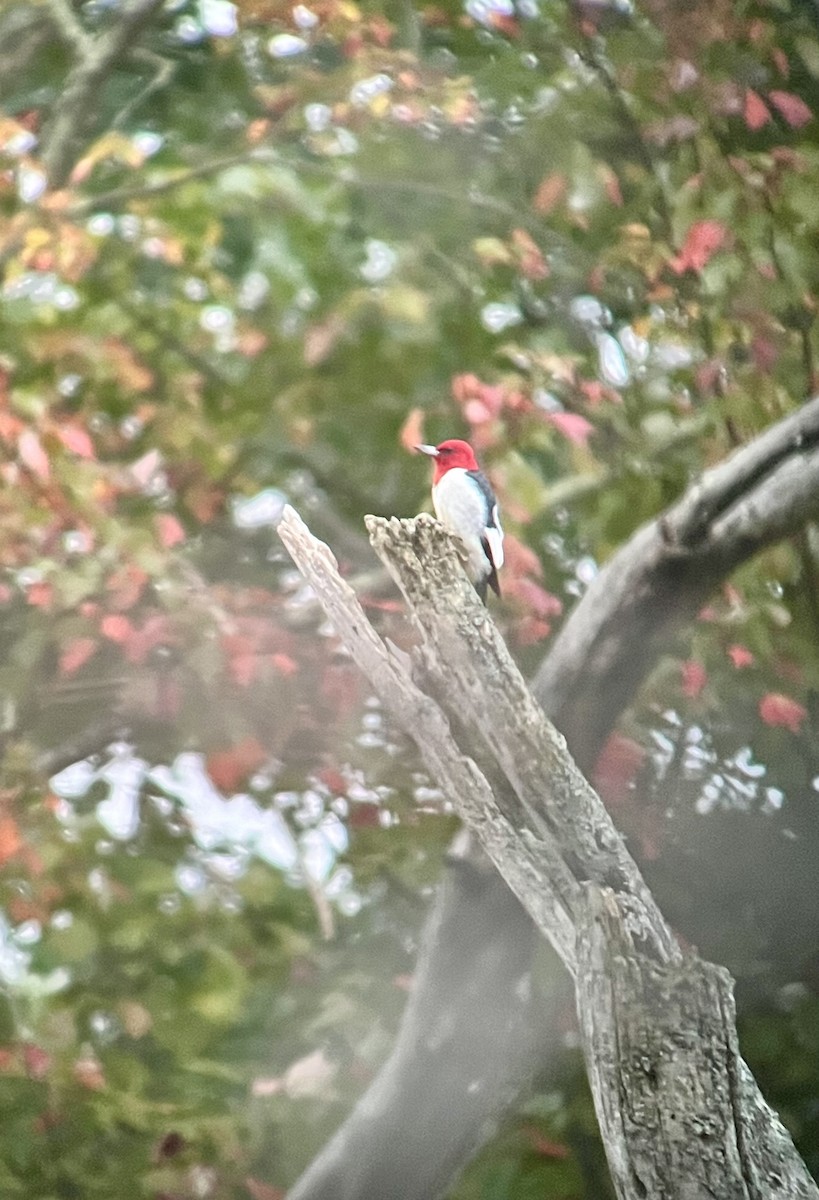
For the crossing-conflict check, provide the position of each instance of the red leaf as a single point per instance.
(756, 111)
(284, 664)
(574, 427)
(333, 779)
(32, 454)
(793, 108)
(777, 709)
(229, 768)
(364, 815)
(243, 668)
(140, 642)
(544, 1146)
(740, 656)
(412, 431)
(694, 678)
(37, 1061)
(76, 440)
(519, 559)
(617, 768)
(75, 654)
(169, 530)
(125, 586)
(116, 627)
(702, 241)
(40, 595)
(528, 631)
(539, 602)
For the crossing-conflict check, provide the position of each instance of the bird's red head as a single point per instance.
(449, 454)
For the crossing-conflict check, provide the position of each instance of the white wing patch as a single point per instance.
(494, 539)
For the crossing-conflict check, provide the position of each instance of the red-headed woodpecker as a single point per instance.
(463, 500)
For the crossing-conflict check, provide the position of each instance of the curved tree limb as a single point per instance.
(679, 1111)
(660, 579)
(480, 1056)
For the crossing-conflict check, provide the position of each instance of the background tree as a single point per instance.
(251, 253)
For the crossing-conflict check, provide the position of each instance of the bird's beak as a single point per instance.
(432, 451)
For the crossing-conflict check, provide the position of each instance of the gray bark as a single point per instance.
(640, 999)
(669, 1083)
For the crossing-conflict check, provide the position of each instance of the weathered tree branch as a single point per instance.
(591, 649)
(664, 574)
(74, 116)
(559, 833)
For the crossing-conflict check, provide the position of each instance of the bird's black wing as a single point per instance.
(491, 579)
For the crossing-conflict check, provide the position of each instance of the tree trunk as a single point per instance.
(669, 1086)
(680, 1114)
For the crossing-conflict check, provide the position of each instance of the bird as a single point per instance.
(465, 504)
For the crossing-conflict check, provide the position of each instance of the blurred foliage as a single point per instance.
(285, 243)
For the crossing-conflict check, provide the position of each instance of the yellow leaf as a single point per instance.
(111, 145)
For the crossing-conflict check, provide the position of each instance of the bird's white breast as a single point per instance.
(460, 505)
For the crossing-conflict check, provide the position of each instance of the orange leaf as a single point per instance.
(88, 1073)
(532, 263)
(10, 841)
(10, 426)
(412, 431)
(702, 241)
(229, 768)
(756, 110)
(75, 654)
(126, 366)
(551, 191)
